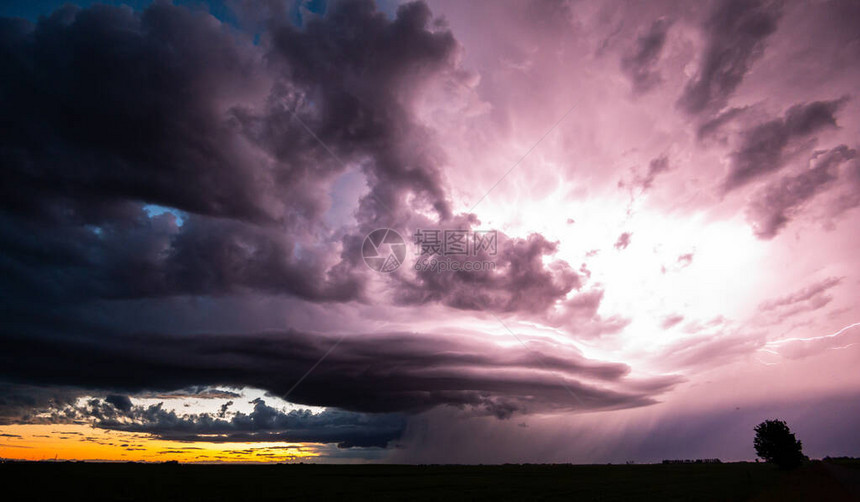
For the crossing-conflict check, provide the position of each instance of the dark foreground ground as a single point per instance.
(158, 482)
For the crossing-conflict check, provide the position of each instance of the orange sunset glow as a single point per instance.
(83, 442)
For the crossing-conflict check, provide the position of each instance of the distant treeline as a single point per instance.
(697, 461)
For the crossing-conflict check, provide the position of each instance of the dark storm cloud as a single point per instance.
(390, 372)
(735, 35)
(18, 403)
(773, 207)
(763, 148)
(104, 105)
(352, 76)
(264, 423)
(394, 57)
(143, 257)
(517, 281)
(713, 126)
(364, 78)
(640, 62)
(224, 407)
(119, 401)
(108, 109)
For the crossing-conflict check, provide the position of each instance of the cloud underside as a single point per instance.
(376, 373)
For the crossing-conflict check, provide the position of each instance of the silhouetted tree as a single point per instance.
(775, 443)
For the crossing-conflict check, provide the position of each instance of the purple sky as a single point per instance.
(673, 187)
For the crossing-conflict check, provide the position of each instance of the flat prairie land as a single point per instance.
(682, 482)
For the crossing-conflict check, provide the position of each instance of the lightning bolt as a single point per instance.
(832, 335)
(808, 339)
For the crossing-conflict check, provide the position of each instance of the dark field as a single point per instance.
(731, 481)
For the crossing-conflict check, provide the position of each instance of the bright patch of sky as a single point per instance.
(153, 210)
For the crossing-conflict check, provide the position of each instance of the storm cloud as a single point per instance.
(110, 110)
(640, 62)
(773, 208)
(372, 373)
(263, 424)
(735, 35)
(763, 148)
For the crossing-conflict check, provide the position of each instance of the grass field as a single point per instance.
(730, 481)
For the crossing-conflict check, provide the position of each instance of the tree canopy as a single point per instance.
(775, 443)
